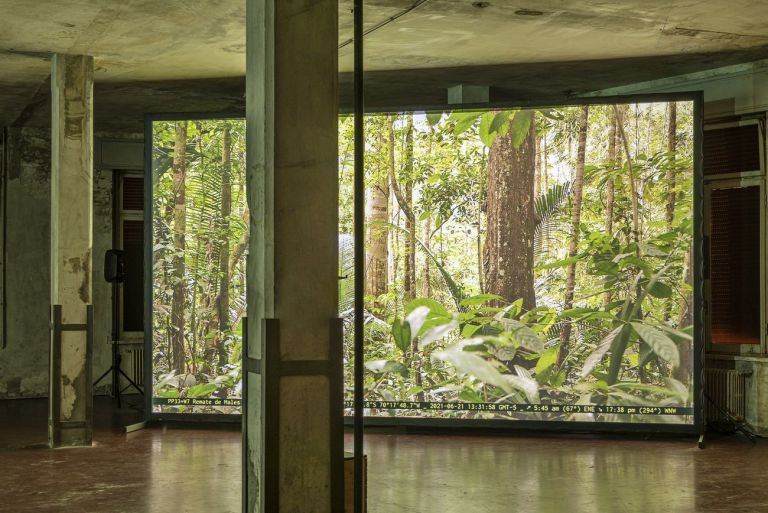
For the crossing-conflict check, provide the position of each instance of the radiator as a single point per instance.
(133, 364)
(726, 390)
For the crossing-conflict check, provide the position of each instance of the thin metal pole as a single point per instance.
(359, 236)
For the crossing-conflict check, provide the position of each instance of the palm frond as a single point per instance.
(547, 206)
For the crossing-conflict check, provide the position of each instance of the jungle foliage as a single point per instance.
(512, 257)
(200, 228)
(526, 256)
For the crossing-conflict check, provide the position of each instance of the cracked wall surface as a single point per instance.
(24, 361)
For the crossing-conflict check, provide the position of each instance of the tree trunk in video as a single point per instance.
(179, 246)
(222, 301)
(511, 218)
(573, 244)
(377, 231)
(242, 245)
(671, 171)
(403, 190)
(426, 234)
(610, 191)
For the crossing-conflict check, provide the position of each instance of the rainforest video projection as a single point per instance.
(198, 242)
(526, 264)
(521, 265)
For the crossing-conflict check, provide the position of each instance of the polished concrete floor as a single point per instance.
(196, 471)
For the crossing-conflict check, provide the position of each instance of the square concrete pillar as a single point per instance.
(70, 419)
(293, 454)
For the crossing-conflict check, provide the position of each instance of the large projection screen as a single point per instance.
(196, 244)
(530, 266)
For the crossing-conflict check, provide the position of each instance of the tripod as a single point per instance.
(117, 358)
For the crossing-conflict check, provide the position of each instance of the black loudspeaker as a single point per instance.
(114, 265)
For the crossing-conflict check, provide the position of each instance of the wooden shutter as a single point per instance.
(733, 149)
(734, 265)
(132, 195)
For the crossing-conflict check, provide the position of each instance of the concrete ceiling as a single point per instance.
(455, 33)
(510, 45)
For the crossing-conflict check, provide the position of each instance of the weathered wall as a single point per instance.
(24, 361)
(119, 110)
(756, 392)
(728, 91)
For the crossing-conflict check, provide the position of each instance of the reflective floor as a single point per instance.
(559, 475)
(196, 471)
(155, 470)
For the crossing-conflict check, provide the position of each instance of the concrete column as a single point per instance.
(71, 243)
(293, 259)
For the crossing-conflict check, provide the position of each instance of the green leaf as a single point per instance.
(520, 126)
(413, 391)
(660, 290)
(674, 390)
(202, 390)
(425, 314)
(437, 333)
(416, 319)
(547, 360)
(500, 123)
(525, 383)
(513, 309)
(527, 338)
(664, 347)
(597, 355)
(561, 263)
(653, 250)
(434, 307)
(606, 267)
(487, 136)
(464, 121)
(480, 299)
(546, 205)
(433, 118)
(401, 332)
(558, 379)
(469, 363)
(584, 314)
(618, 347)
(675, 333)
(469, 330)
(470, 396)
(168, 392)
(387, 366)
(645, 355)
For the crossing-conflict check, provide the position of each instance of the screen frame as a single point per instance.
(149, 120)
(698, 347)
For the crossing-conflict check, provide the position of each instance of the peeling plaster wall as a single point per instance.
(101, 290)
(24, 361)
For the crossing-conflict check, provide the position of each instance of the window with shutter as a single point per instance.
(132, 242)
(734, 265)
(732, 149)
